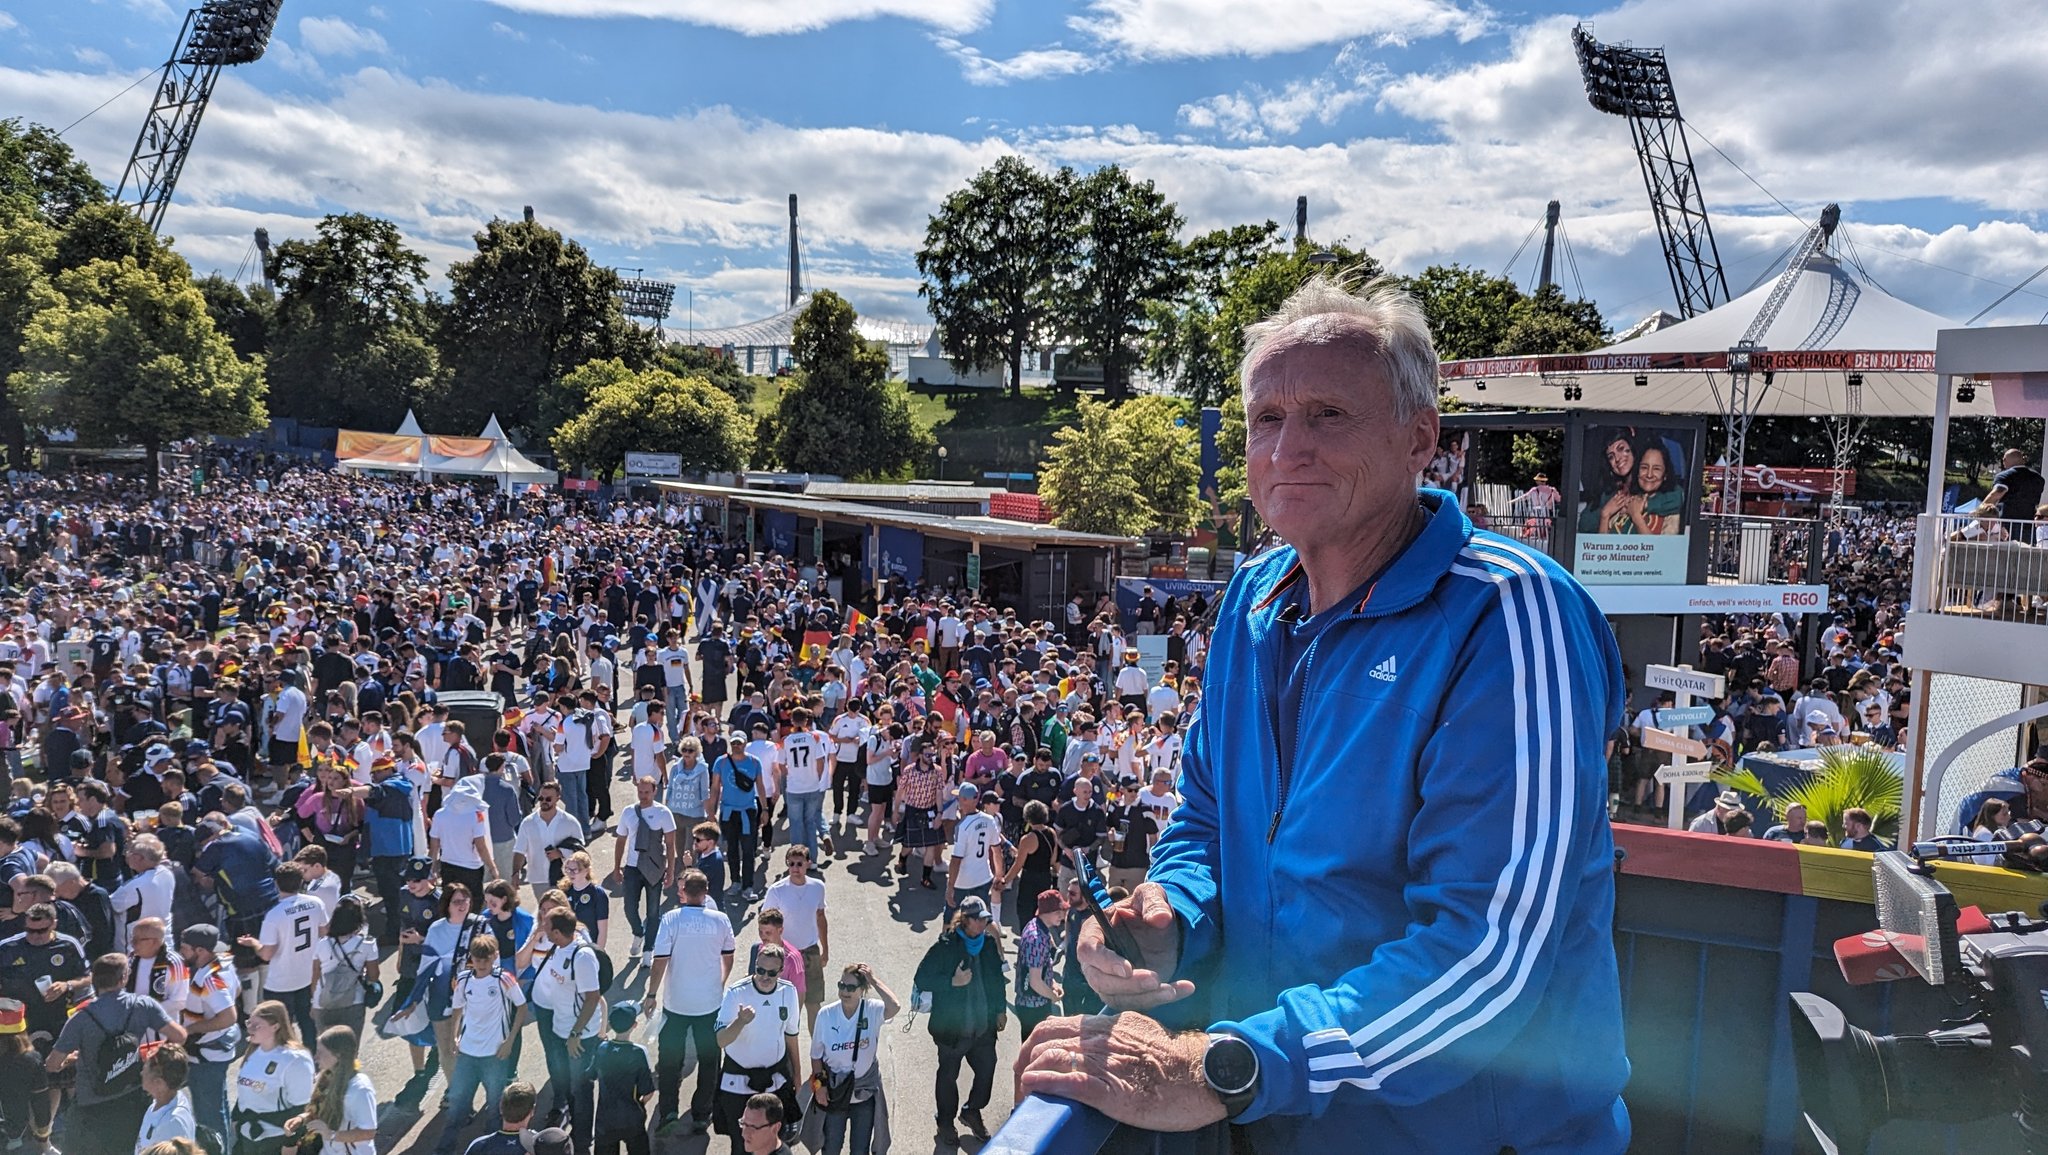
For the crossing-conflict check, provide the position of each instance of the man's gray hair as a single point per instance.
(1390, 313)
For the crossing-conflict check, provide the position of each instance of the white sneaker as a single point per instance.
(633, 951)
(872, 847)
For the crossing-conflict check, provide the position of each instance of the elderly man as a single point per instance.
(1414, 972)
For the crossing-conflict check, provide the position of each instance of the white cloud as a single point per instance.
(500, 28)
(1255, 113)
(771, 17)
(1202, 28)
(330, 36)
(701, 192)
(375, 12)
(157, 10)
(8, 23)
(1035, 64)
(92, 58)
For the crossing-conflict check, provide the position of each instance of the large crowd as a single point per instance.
(304, 763)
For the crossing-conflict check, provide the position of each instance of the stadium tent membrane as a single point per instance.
(1833, 323)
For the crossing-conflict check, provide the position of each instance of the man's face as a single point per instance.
(1323, 455)
(757, 1133)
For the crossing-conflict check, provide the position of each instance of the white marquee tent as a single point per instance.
(1834, 322)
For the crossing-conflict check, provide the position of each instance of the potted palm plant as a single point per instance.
(1843, 778)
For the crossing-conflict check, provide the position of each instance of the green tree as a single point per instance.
(1470, 312)
(349, 346)
(27, 248)
(1165, 459)
(40, 175)
(653, 411)
(1122, 256)
(841, 414)
(522, 313)
(1088, 480)
(130, 356)
(1549, 323)
(1183, 337)
(989, 260)
(245, 315)
(713, 366)
(110, 232)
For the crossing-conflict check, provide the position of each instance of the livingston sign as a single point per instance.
(1786, 361)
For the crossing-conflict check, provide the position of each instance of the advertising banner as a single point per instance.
(654, 464)
(902, 554)
(1634, 518)
(1734, 599)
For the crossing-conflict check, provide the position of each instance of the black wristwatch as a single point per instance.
(1231, 1068)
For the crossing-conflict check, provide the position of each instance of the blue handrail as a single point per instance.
(1044, 1126)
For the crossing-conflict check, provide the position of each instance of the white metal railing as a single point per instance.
(1980, 566)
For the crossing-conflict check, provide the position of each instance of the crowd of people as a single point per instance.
(304, 763)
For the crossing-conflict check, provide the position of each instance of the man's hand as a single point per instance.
(744, 1015)
(575, 1045)
(963, 975)
(1126, 1066)
(1135, 985)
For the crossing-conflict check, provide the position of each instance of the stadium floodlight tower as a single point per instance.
(216, 34)
(1635, 83)
(645, 299)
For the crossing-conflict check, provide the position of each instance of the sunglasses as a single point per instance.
(765, 973)
(849, 988)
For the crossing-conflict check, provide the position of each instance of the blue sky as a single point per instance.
(666, 134)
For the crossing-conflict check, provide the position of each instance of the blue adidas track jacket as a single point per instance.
(1411, 923)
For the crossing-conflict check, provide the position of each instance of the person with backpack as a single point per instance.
(102, 1041)
(571, 986)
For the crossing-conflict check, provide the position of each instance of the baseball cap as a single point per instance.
(968, 792)
(1817, 717)
(973, 907)
(623, 1015)
(200, 936)
(1050, 900)
(419, 868)
(552, 1141)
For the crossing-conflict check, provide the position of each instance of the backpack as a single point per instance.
(120, 1064)
(606, 971)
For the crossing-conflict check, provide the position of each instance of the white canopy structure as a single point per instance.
(411, 451)
(1833, 323)
(763, 346)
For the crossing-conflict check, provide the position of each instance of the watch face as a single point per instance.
(1230, 1064)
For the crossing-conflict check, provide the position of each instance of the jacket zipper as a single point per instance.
(1308, 663)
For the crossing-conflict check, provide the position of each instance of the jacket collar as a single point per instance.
(1411, 575)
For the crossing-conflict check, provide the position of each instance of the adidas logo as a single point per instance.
(1385, 671)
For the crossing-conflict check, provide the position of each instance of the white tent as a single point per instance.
(493, 430)
(1833, 323)
(411, 425)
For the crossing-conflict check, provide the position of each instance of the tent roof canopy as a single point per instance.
(1833, 323)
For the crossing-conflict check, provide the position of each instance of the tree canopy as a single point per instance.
(651, 411)
(841, 414)
(1088, 481)
(129, 355)
(989, 260)
(1123, 255)
(349, 344)
(41, 176)
(520, 315)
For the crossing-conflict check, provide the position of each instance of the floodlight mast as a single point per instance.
(215, 35)
(1635, 83)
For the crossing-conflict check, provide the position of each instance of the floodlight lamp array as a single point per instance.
(1625, 81)
(648, 300)
(227, 32)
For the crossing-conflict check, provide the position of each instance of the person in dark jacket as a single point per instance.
(963, 973)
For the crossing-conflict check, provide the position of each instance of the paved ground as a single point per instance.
(874, 919)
